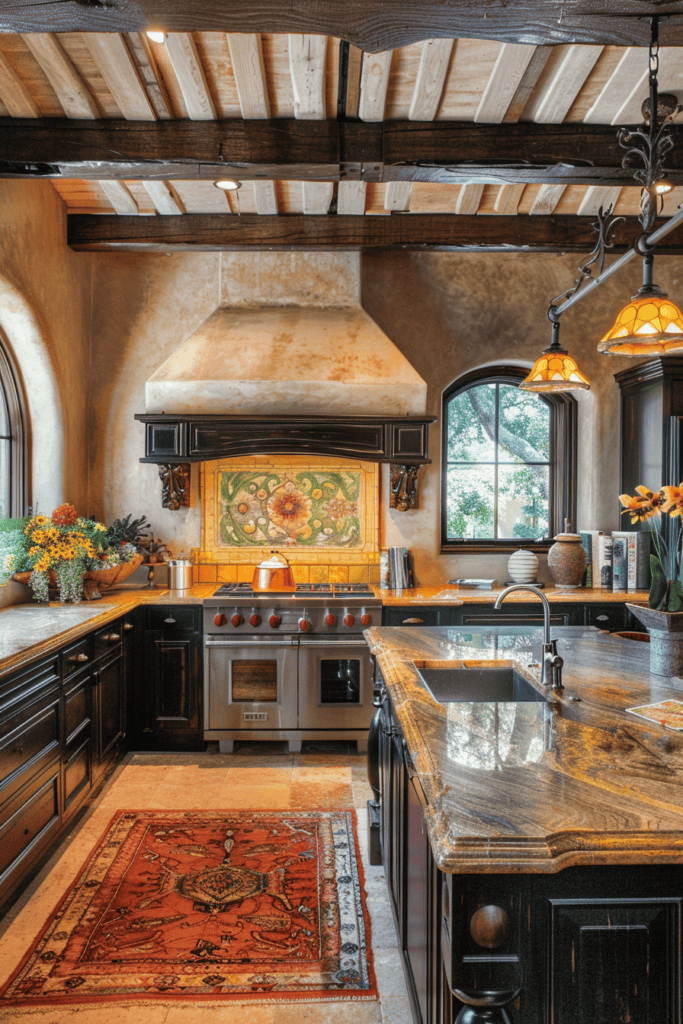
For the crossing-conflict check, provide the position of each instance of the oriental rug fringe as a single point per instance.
(240, 906)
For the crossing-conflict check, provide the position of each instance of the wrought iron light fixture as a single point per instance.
(555, 370)
(651, 324)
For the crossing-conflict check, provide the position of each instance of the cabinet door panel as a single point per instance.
(109, 690)
(33, 818)
(77, 770)
(614, 961)
(174, 695)
(417, 906)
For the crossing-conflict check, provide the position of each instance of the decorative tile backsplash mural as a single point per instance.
(312, 510)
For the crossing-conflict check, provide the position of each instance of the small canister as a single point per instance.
(180, 574)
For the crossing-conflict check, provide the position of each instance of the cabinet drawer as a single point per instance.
(28, 735)
(31, 821)
(416, 616)
(107, 639)
(173, 617)
(606, 616)
(77, 705)
(77, 769)
(77, 656)
(21, 688)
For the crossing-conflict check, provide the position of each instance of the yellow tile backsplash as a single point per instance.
(352, 560)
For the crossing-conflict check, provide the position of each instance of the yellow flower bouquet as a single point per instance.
(646, 506)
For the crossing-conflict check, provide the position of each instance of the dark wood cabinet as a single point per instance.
(62, 724)
(166, 708)
(588, 945)
(651, 413)
(611, 616)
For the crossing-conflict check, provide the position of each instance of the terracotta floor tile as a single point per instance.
(322, 797)
(368, 1012)
(264, 798)
(259, 775)
(230, 1013)
(325, 776)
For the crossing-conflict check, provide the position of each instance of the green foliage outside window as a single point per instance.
(498, 463)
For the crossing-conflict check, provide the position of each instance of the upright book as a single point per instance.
(639, 575)
(589, 539)
(605, 561)
(619, 560)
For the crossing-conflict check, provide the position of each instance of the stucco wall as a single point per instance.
(447, 313)
(45, 318)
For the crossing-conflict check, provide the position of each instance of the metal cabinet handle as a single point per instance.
(79, 657)
(113, 636)
(412, 622)
(128, 625)
(171, 622)
(18, 750)
(602, 618)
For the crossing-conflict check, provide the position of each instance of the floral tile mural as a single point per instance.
(299, 505)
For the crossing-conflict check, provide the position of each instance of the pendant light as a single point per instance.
(555, 370)
(651, 324)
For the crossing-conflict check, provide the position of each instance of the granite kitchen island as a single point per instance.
(533, 850)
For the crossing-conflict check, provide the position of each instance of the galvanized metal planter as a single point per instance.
(666, 639)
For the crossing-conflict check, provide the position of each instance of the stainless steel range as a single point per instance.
(289, 665)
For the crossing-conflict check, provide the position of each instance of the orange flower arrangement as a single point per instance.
(666, 590)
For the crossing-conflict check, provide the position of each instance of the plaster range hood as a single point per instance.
(287, 361)
(296, 365)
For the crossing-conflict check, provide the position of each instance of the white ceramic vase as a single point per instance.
(523, 566)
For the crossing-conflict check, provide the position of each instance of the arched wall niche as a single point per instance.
(38, 375)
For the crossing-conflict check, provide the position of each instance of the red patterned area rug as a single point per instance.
(241, 906)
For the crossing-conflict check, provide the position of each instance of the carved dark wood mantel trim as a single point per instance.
(174, 442)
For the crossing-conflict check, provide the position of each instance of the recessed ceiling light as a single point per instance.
(156, 37)
(228, 185)
(663, 186)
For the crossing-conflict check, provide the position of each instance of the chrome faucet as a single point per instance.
(551, 671)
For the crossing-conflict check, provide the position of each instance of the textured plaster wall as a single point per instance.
(449, 313)
(45, 318)
(45, 323)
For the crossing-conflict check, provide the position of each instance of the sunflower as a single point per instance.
(673, 500)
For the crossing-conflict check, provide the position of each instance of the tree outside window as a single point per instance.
(508, 462)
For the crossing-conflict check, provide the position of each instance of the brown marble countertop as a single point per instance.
(29, 631)
(445, 595)
(533, 787)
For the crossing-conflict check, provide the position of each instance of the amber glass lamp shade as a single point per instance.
(555, 370)
(650, 325)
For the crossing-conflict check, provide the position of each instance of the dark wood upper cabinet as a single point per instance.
(651, 417)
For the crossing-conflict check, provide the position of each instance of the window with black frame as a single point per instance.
(13, 454)
(509, 465)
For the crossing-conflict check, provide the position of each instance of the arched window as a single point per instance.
(13, 443)
(508, 463)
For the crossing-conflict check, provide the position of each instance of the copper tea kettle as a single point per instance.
(274, 573)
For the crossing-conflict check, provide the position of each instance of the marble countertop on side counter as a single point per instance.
(29, 631)
(535, 787)
(445, 595)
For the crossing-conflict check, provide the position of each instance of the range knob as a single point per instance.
(305, 625)
(219, 620)
(254, 620)
(237, 620)
(330, 620)
(349, 620)
(365, 620)
(274, 621)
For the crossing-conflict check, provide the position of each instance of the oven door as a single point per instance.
(335, 683)
(251, 683)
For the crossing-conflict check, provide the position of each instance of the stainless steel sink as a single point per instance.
(480, 684)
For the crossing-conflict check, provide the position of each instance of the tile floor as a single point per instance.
(257, 775)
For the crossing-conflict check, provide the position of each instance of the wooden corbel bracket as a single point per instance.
(403, 487)
(175, 484)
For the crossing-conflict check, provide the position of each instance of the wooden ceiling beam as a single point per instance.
(409, 232)
(363, 23)
(440, 151)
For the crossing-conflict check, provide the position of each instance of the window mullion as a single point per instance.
(495, 464)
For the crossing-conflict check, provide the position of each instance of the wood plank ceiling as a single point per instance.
(217, 76)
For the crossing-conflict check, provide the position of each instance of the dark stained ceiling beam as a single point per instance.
(364, 23)
(442, 151)
(407, 232)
